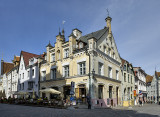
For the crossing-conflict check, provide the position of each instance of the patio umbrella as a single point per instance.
(50, 90)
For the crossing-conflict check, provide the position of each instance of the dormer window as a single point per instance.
(52, 57)
(80, 45)
(66, 53)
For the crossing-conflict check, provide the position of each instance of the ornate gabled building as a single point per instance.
(6, 83)
(92, 62)
(140, 84)
(12, 78)
(148, 88)
(153, 87)
(28, 72)
(128, 83)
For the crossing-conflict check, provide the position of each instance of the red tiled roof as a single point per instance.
(27, 56)
(158, 74)
(7, 67)
(149, 78)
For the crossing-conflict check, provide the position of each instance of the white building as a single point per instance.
(5, 68)
(140, 84)
(28, 73)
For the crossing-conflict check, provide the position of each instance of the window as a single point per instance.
(90, 45)
(66, 53)
(124, 77)
(109, 72)
(104, 49)
(28, 73)
(117, 74)
(23, 76)
(110, 91)
(82, 68)
(22, 86)
(109, 52)
(128, 78)
(100, 91)
(20, 76)
(100, 68)
(21, 66)
(131, 78)
(66, 71)
(80, 45)
(124, 67)
(19, 86)
(43, 75)
(53, 73)
(32, 72)
(53, 57)
(30, 85)
(114, 55)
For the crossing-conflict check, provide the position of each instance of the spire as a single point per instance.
(107, 12)
(63, 27)
(59, 31)
(2, 57)
(49, 45)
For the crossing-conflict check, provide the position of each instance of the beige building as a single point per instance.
(128, 83)
(92, 62)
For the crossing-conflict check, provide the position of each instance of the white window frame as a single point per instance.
(117, 75)
(100, 68)
(53, 73)
(43, 75)
(83, 68)
(110, 72)
(66, 53)
(66, 71)
(53, 57)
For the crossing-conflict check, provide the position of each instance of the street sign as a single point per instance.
(134, 93)
(72, 88)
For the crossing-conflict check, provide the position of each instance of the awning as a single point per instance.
(50, 90)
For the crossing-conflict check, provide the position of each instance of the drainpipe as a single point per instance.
(88, 54)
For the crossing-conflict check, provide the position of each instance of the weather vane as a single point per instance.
(63, 23)
(107, 11)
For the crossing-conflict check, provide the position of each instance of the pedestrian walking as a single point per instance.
(89, 101)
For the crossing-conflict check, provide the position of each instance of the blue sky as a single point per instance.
(29, 25)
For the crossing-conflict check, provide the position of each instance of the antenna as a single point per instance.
(2, 55)
(107, 12)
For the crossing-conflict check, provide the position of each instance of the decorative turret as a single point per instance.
(72, 43)
(108, 21)
(49, 46)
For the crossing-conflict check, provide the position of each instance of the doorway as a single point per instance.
(117, 94)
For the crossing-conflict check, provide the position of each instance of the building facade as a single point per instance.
(153, 88)
(149, 88)
(140, 84)
(28, 73)
(5, 68)
(92, 62)
(128, 83)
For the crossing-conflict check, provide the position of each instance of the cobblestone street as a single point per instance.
(147, 110)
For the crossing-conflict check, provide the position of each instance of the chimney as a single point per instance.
(108, 21)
